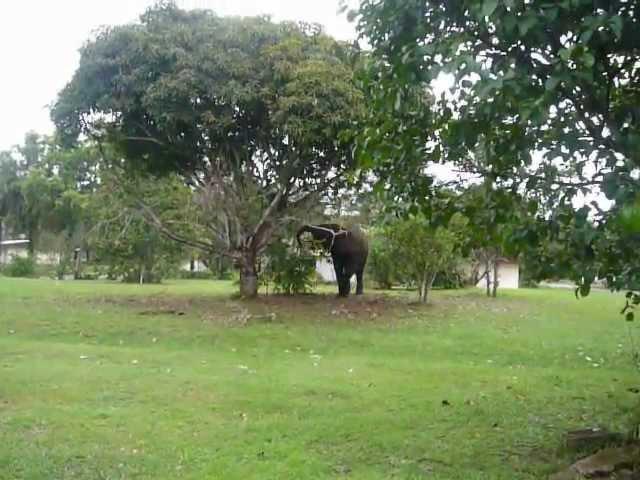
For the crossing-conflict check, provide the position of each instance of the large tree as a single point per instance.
(251, 114)
(560, 78)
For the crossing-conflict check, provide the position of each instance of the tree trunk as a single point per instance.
(76, 263)
(76, 267)
(425, 287)
(31, 247)
(248, 283)
(220, 268)
(494, 291)
(248, 275)
(487, 266)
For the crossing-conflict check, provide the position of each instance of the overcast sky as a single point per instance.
(39, 42)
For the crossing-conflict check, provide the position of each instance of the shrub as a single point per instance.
(289, 271)
(189, 275)
(20, 267)
(382, 264)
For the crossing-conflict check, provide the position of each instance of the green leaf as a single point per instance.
(616, 26)
(398, 102)
(527, 24)
(510, 22)
(586, 36)
(551, 83)
(588, 59)
(629, 317)
(488, 7)
(610, 185)
(552, 13)
(565, 54)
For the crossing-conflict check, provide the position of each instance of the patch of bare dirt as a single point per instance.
(273, 308)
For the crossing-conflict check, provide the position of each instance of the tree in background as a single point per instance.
(421, 250)
(252, 115)
(382, 264)
(22, 209)
(10, 194)
(123, 240)
(44, 190)
(500, 224)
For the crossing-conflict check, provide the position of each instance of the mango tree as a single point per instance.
(250, 114)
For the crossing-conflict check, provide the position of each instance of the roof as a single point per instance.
(14, 242)
(508, 260)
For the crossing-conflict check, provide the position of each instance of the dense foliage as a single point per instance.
(20, 267)
(251, 114)
(289, 271)
(543, 104)
(419, 251)
(382, 265)
(74, 207)
(125, 242)
(44, 193)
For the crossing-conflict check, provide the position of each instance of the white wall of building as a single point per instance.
(8, 250)
(325, 269)
(508, 276)
(198, 265)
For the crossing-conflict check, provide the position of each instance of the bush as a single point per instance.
(189, 275)
(450, 279)
(381, 264)
(289, 271)
(20, 267)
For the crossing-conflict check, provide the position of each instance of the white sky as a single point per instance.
(39, 42)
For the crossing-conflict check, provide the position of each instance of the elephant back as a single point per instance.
(354, 243)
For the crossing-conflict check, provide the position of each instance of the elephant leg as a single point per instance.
(360, 280)
(347, 283)
(338, 266)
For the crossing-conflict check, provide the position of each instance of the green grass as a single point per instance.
(111, 381)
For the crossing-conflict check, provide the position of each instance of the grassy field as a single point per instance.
(112, 381)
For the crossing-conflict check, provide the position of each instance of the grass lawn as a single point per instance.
(112, 381)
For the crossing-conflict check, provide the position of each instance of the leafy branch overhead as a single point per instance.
(543, 102)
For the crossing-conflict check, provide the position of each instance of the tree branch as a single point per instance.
(156, 221)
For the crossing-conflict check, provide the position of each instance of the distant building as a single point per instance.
(194, 266)
(508, 275)
(20, 248)
(13, 248)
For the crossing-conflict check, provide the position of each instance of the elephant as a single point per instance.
(348, 248)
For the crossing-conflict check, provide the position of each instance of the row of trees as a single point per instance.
(72, 204)
(453, 239)
(250, 125)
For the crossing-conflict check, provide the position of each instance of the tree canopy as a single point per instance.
(544, 103)
(252, 114)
